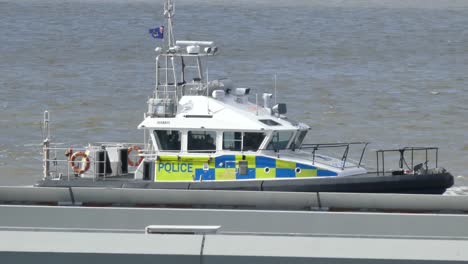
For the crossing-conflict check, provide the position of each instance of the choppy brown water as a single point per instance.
(390, 72)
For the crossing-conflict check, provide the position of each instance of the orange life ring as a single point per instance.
(131, 162)
(77, 168)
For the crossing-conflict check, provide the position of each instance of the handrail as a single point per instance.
(380, 155)
(61, 167)
(110, 143)
(316, 146)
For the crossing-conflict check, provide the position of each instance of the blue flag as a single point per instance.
(157, 32)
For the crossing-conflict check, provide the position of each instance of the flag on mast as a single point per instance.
(157, 33)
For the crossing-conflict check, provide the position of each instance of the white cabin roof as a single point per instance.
(229, 113)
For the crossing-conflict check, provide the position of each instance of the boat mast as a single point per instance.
(169, 12)
(164, 99)
(169, 87)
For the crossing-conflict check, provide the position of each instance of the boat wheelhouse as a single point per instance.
(202, 130)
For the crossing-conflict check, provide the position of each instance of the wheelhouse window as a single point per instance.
(280, 140)
(242, 141)
(201, 141)
(232, 140)
(299, 139)
(253, 140)
(167, 139)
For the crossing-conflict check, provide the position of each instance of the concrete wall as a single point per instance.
(74, 234)
(305, 223)
(116, 248)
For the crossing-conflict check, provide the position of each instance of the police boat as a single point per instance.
(215, 136)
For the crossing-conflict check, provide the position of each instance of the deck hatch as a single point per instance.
(269, 122)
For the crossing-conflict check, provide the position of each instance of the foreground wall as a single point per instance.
(258, 228)
(55, 234)
(79, 248)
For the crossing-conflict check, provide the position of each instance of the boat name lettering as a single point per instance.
(175, 167)
(164, 122)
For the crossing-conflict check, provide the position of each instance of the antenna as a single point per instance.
(46, 144)
(207, 93)
(207, 88)
(144, 133)
(45, 126)
(275, 88)
(256, 102)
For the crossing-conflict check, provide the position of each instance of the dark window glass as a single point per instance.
(252, 141)
(298, 140)
(167, 139)
(201, 141)
(232, 140)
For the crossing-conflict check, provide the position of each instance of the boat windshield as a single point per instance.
(280, 140)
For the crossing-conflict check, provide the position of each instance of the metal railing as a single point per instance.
(410, 166)
(57, 160)
(164, 104)
(60, 165)
(343, 161)
(344, 157)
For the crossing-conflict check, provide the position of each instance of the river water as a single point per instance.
(393, 73)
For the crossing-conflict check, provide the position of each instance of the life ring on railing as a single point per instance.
(76, 167)
(130, 161)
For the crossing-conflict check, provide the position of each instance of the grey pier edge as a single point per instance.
(54, 225)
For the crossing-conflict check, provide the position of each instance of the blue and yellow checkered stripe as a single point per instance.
(225, 167)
